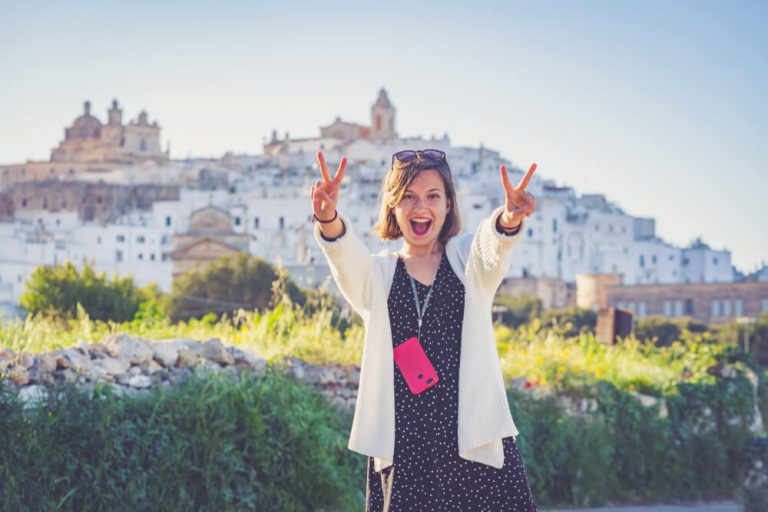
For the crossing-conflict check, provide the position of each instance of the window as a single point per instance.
(152, 257)
(653, 259)
(282, 222)
(667, 308)
(530, 232)
(726, 307)
(142, 145)
(554, 225)
(631, 306)
(715, 308)
(255, 223)
(118, 256)
(98, 240)
(167, 220)
(610, 228)
(738, 307)
(597, 226)
(120, 238)
(641, 309)
(140, 239)
(620, 305)
(141, 256)
(714, 260)
(765, 305)
(678, 308)
(642, 260)
(237, 221)
(688, 307)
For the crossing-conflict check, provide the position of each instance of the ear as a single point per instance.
(449, 205)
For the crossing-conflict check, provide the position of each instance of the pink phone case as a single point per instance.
(414, 364)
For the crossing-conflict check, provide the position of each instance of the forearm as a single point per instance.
(508, 221)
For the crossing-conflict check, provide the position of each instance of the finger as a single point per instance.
(323, 168)
(526, 178)
(505, 178)
(340, 172)
(325, 197)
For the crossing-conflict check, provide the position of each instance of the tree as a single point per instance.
(228, 284)
(518, 310)
(58, 289)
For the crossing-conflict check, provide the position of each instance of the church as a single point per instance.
(89, 140)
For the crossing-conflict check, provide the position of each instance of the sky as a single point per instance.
(660, 105)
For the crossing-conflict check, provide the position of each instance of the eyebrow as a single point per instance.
(430, 190)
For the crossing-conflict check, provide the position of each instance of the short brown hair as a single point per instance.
(393, 188)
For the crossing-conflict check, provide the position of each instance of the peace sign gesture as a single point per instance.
(325, 192)
(519, 203)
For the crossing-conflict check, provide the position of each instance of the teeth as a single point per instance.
(420, 220)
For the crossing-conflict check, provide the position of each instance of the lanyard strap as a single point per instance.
(420, 311)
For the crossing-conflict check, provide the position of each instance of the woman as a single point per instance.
(452, 444)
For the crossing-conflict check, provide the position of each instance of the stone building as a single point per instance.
(100, 202)
(88, 140)
(91, 146)
(211, 235)
(705, 302)
(381, 129)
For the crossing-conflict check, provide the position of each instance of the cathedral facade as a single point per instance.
(90, 140)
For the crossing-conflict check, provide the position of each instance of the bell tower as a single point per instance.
(383, 117)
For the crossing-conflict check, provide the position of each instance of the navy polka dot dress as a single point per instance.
(429, 473)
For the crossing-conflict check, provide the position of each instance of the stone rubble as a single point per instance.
(130, 365)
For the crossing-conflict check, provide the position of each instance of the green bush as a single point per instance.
(571, 321)
(230, 283)
(57, 290)
(518, 310)
(664, 331)
(215, 443)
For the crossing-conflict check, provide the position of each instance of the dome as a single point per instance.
(86, 126)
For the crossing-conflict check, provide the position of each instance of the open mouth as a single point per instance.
(420, 227)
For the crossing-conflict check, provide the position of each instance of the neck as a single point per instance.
(421, 251)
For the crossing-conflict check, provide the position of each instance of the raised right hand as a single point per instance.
(325, 192)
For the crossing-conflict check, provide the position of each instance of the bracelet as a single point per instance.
(507, 231)
(314, 217)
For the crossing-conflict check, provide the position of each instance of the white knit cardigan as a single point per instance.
(364, 279)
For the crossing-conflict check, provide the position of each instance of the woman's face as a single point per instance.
(422, 210)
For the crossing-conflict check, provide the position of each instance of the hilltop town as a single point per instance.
(112, 195)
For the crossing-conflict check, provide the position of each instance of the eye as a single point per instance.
(435, 195)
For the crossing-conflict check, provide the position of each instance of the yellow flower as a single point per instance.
(560, 369)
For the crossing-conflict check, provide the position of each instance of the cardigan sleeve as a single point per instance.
(491, 251)
(351, 265)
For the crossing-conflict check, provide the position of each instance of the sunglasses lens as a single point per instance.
(405, 156)
(433, 154)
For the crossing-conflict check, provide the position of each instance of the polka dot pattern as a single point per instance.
(428, 472)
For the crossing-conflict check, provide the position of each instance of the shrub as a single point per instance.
(230, 283)
(58, 289)
(217, 442)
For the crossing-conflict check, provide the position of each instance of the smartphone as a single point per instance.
(415, 366)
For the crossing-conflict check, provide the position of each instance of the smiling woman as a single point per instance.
(428, 328)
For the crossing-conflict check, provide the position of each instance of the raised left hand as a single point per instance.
(519, 203)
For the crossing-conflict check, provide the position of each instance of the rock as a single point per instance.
(25, 359)
(140, 381)
(153, 367)
(47, 361)
(19, 376)
(37, 375)
(7, 356)
(65, 375)
(133, 350)
(188, 358)
(165, 353)
(213, 350)
(112, 366)
(76, 360)
(123, 379)
(134, 370)
(33, 396)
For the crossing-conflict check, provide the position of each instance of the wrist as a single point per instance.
(508, 223)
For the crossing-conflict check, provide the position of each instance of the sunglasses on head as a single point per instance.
(425, 155)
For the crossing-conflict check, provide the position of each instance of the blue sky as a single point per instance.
(660, 105)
